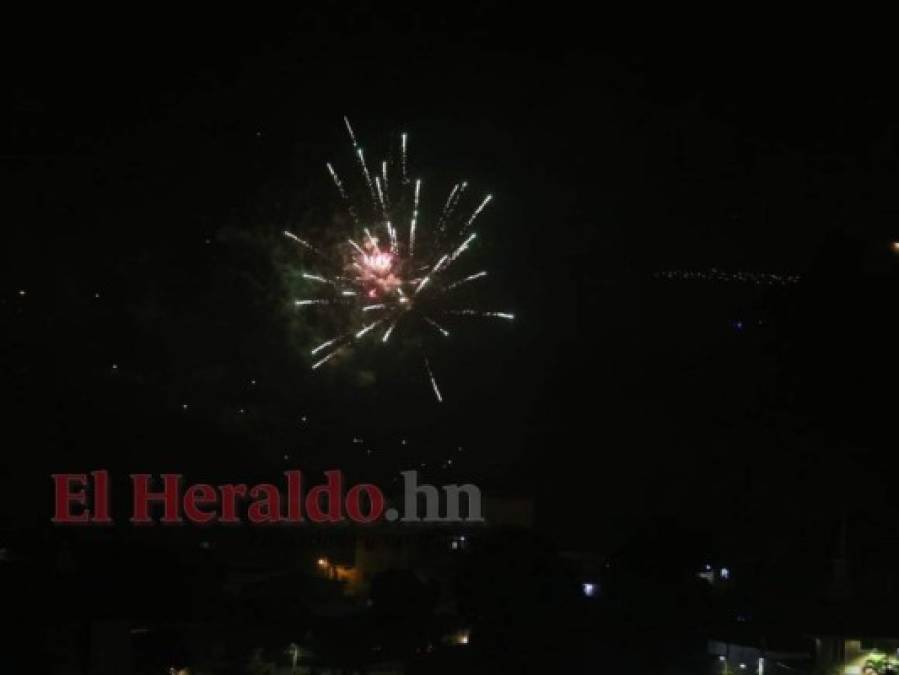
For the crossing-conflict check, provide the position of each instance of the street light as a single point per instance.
(327, 567)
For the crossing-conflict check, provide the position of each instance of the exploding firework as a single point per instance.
(394, 271)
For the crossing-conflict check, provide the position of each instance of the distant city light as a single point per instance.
(896, 246)
(725, 573)
(589, 589)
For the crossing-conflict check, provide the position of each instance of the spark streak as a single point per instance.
(477, 212)
(462, 247)
(450, 206)
(366, 329)
(414, 219)
(337, 182)
(433, 381)
(403, 156)
(316, 277)
(433, 271)
(389, 331)
(365, 173)
(349, 128)
(470, 277)
(302, 242)
(380, 194)
(325, 359)
(324, 345)
(436, 325)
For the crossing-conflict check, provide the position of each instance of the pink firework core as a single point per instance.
(379, 263)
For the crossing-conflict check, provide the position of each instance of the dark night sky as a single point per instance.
(134, 139)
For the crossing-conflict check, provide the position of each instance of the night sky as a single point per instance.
(151, 162)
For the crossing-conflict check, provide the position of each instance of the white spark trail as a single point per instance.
(303, 242)
(436, 325)
(315, 301)
(371, 239)
(433, 381)
(346, 121)
(380, 194)
(434, 270)
(450, 204)
(369, 327)
(368, 181)
(389, 331)
(343, 193)
(391, 231)
(414, 218)
(316, 277)
(324, 345)
(337, 182)
(462, 247)
(477, 212)
(356, 246)
(467, 279)
(326, 358)
(403, 156)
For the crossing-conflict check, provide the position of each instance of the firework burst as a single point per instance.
(392, 272)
